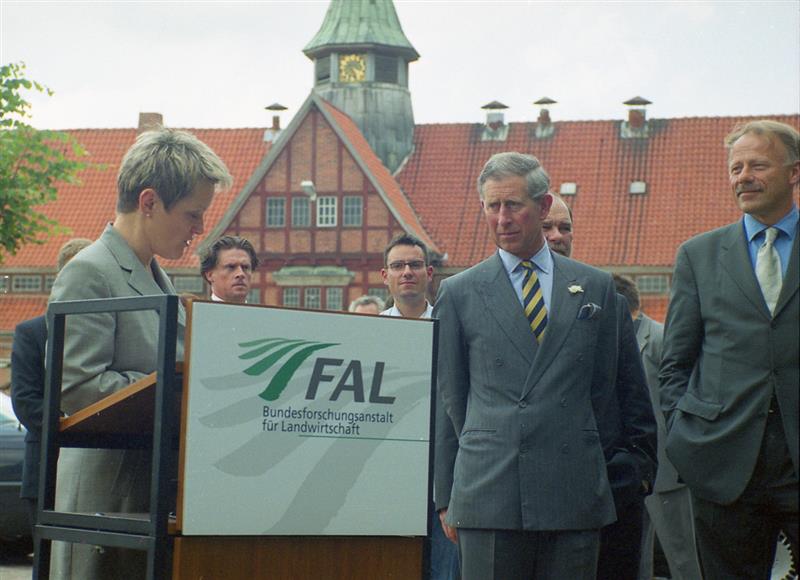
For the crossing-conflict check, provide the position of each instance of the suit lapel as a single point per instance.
(791, 283)
(735, 259)
(138, 278)
(503, 304)
(562, 314)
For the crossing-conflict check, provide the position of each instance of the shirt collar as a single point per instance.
(787, 224)
(543, 259)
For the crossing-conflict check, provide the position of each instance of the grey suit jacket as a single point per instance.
(724, 358)
(104, 353)
(529, 451)
(650, 336)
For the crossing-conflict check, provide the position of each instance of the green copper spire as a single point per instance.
(367, 24)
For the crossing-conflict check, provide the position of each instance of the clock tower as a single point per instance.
(361, 58)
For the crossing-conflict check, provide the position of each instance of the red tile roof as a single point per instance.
(85, 208)
(682, 161)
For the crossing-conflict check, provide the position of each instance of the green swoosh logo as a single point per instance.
(279, 348)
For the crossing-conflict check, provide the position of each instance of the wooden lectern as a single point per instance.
(146, 415)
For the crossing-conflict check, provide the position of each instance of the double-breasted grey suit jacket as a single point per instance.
(104, 353)
(528, 452)
(724, 358)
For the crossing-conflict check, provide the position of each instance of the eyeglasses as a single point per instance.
(400, 265)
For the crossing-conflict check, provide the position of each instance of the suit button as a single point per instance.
(773, 324)
(563, 402)
(498, 362)
(523, 449)
(565, 448)
(523, 404)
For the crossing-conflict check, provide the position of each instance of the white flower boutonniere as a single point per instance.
(575, 289)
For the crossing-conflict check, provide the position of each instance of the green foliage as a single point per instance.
(32, 162)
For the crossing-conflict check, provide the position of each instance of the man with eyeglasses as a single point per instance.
(407, 273)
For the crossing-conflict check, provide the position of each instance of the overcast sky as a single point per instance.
(217, 64)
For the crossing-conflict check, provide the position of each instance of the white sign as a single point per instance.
(306, 423)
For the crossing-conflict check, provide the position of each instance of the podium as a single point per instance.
(192, 529)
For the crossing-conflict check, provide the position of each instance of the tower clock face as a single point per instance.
(352, 68)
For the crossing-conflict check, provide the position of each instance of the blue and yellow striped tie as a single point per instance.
(533, 301)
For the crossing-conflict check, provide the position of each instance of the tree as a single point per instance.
(32, 162)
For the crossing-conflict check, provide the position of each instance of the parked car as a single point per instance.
(15, 530)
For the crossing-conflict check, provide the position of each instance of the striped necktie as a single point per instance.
(533, 301)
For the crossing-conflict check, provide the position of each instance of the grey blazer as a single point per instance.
(106, 352)
(650, 336)
(724, 358)
(523, 445)
(103, 353)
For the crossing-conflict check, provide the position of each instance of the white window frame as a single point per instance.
(326, 211)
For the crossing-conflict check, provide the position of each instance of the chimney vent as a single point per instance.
(636, 125)
(496, 128)
(544, 127)
(149, 121)
(272, 133)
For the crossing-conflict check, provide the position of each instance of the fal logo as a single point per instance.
(269, 351)
(352, 380)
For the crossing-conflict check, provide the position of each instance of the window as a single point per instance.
(276, 212)
(326, 211)
(4, 284)
(193, 284)
(312, 298)
(322, 69)
(48, 283)
(385, 69)
(638, 187)
(291, 297)
(26, 284)
(568, 188)
(301, 212)
(254, 296)
(333, 299)
(653, 284)
(353, 211)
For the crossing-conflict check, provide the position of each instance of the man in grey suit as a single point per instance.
(729, 375)
(527, 357)
(669, 507)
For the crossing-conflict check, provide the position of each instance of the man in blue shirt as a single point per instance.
(729, 374)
